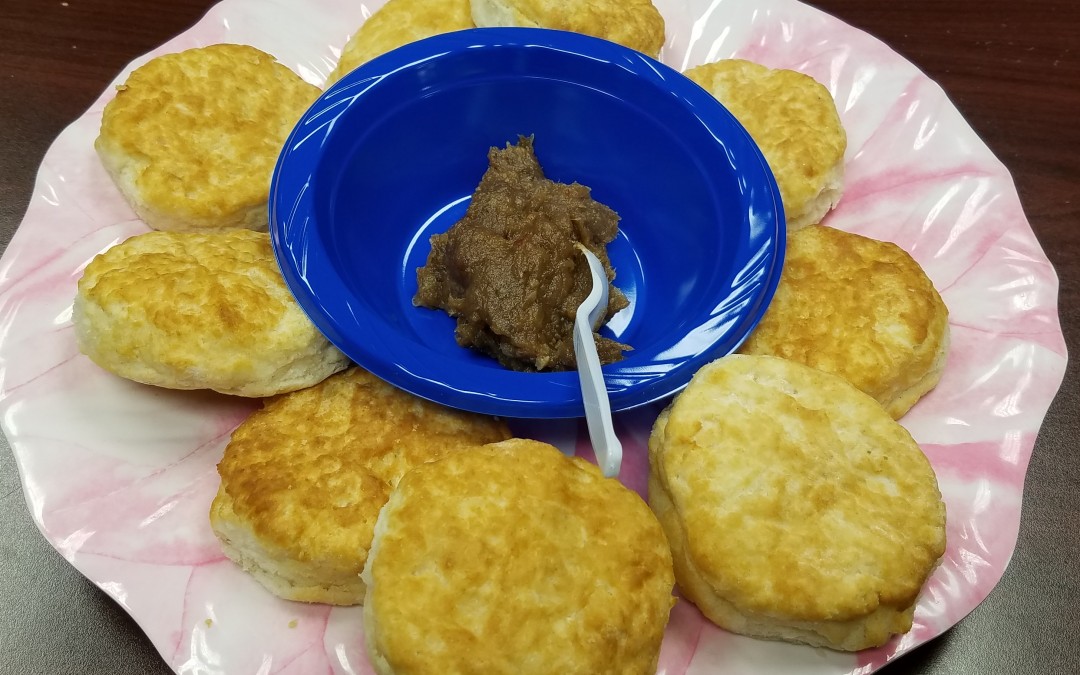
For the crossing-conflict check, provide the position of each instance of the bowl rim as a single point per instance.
(302, 257)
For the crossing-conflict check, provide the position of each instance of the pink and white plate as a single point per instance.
(119, 476)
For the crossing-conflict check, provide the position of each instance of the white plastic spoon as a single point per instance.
(605, 443)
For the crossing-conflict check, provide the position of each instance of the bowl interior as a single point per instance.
(391, 154)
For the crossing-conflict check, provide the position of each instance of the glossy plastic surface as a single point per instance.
(390, 154)
(119, 476)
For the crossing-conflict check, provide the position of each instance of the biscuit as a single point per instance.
(794, 122)
(636, 24)
(397, 23)
(199, 310)
(514, 558)
(796, 508)
(303, 479)
(191, 138)
(858, 308)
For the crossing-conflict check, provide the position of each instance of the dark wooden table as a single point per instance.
(1013, 70)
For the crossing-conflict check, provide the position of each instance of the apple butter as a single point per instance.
(510, 272)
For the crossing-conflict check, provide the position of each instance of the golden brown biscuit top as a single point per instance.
(206, 125)
(856, 307)
(791, 117)
(632, 23)
(219, 288)
(800, 497)
(514, 558)
(398, 23)
(311, 469)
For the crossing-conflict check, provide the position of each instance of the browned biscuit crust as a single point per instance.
(303, 479)
(794, 121)
(859, 308)
(514, 558)
(199, 310)
(191, 138)
(398, 23)
(632, 23)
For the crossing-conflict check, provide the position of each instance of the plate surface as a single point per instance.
(132, 515)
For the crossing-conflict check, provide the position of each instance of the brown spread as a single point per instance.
(510, 272)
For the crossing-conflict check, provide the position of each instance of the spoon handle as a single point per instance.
(606, 444)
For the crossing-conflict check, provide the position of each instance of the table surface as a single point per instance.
(1011, 68)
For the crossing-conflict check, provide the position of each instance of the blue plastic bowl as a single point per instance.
(391, 153)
